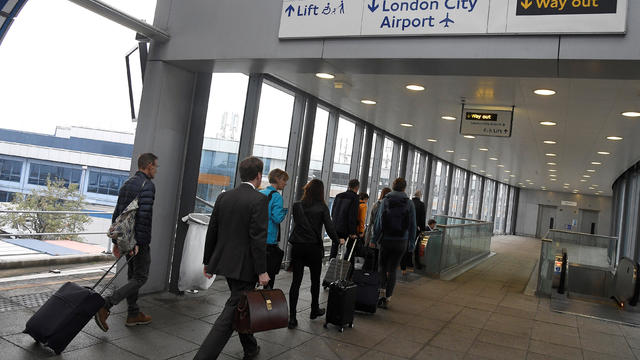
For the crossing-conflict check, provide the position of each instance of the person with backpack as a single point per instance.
(307, 248)
(278, 180)
(394, 229)
(344, 214)
(374, 215)
(141, 187)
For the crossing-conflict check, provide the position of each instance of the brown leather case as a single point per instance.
(261, 310)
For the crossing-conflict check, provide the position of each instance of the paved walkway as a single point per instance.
(482, 314)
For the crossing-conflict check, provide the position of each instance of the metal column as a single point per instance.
(356, 152)
(305, 148)
(506, 210)
(250, 119)
(495, 199)
(376, 169)
(329, 152)
(466, 193)
(427, 183)
(404, 157)
(366, 160)
(514, 215)
(191, 170)
(481, 198)
(447, 199)
(395, 157)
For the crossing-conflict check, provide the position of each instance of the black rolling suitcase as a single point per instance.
(341, 304)
(68, 310)
(368, 283)
(339, 268)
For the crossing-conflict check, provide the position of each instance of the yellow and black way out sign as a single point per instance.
(565, 7)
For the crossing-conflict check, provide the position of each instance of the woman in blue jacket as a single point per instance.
(277, 212)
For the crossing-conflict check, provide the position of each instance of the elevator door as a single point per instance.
(589, 221)
(546, 219)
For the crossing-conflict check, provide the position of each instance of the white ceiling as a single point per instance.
(586, 111)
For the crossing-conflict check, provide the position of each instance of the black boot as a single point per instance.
(293, 323)
(315, 313)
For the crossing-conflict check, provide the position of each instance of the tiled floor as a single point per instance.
(482, 314)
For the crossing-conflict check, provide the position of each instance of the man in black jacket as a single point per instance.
(421, 217)
(140, 186)
(236, 248)
(344, 214)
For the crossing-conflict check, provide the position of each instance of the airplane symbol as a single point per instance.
(447, 20)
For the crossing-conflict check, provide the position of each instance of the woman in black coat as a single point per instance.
(309, 215)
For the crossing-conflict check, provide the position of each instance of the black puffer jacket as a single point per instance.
(308, 220)
(129, 190)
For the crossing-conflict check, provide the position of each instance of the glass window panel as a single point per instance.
(6, 196)
(342, 157)
(318, 143)
(474, 197)
(10, 170)
(487, 201)
(105, 183)
(272, 129)
(439, 187)
(39, 173)
(458, 185)
(223, 127)
(387, 155)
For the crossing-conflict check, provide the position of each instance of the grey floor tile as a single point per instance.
(556, 318)
(605, 344)
(331, 349)
(14, 352)
(377, 355)
(399, 347)
(444, 312)
(102, 351)
(194, 331)
(591, 355)
(295, 355)
(117, 328)
(559, 351)
(536, 356)
(599, 326)
(472, 317)
(267, 349)
(492, 337)
(26, 342)
(154, 344)
(414, 334)
(163, 317)
(13, 322)
(498, 352)
(436, 353)
(286, 337)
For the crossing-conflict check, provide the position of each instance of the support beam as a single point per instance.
(495, 200)
(404, 157)
(306, 147)
(427, 185)
(466, 193)
(250, 120)
(329, 152)
(366, 160)
(395, 162)
(447, 198)
(356, 151)
(480, 206)
(124, 19)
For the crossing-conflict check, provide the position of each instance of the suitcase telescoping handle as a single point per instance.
(114, 276)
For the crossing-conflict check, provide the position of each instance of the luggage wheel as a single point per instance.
(325, 325)
(341, 329)
(351, 325)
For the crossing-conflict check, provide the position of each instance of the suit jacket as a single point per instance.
(345, 213)
(421, 214)
(237, 235)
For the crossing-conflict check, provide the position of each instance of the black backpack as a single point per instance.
(395, 216)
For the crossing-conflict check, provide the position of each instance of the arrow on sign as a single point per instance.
(289, 10)
(526, 3)
(373, 7)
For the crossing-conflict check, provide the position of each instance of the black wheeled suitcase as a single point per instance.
(341, 304)
(368, 283)
(339, 268)
(68, 310)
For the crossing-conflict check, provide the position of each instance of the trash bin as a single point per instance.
(191, 276)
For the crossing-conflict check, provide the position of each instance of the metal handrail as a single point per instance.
(463, 225)
(460, 218)
(204, 202)
(53, 212)
(580, 233)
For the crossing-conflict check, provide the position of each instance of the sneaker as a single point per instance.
(251, 355)
(140, 319)
(315, 313)
(101, 319)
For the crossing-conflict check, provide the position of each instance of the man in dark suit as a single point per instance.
(344, 214)
(236, 249)
(421, 217)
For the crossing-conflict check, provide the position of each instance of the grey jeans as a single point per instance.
(137, 273)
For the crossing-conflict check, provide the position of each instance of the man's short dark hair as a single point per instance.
(145, 160)
(354, 183)
(431, 221)
(399, 184)
(249, 168)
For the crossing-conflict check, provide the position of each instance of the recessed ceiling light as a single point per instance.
(631, 114)
(586, 176)
(368, 102)
(483, 149)
(450, 118)
(548, 123)
(482, 171)
(591, 188)
(414, 87)
(524, 186)
(552, 170)
(469, 136)
(406, 125)
(527, 180)
(567, 184)
(520, 184)
(614, 138)
(551, 154)
(506, 179)
(500, 165)
(474, 165)
(325, 76)
(490, 175)
(532, 183)
(583, 180)
(591, 170)
(512, 175)
(432, 140)
(595, 185)
(494, 159)
(544, 92)
(450, 151)
(550, 142)
(552, 163)
(553, 175)
(464, 160)
(507, 171)
(553, 179)
(604, 153)
(596, 163)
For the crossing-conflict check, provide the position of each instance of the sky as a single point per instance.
(64, 65)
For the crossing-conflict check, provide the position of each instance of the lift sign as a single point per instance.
(566, 7)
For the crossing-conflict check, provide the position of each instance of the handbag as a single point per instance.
(261, 310)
